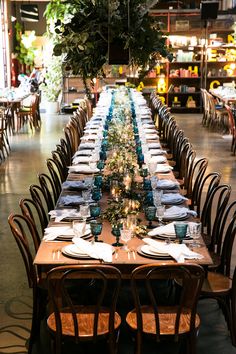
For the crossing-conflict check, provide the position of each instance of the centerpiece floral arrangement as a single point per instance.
(122, 162)
(85, 31)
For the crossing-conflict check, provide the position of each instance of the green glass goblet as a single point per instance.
(150, 214)
(95, 210)
(116, 232)
(96, 229)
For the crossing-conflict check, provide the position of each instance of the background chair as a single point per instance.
(218, 284)
(84, 311)
(165, 317)
(28, 243)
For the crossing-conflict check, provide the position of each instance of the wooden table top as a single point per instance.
(46, 253)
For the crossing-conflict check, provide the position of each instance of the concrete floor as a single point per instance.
(27, 158)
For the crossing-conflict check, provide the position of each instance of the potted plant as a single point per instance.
(52, 85)
(90, 29)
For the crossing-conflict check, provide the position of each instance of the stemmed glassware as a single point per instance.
(96, 229)
(84, 211)
(126, 235)
(95, 210)
(100, 165)
(157, 195)
(150, 213)
(116, 232)
(160, 211)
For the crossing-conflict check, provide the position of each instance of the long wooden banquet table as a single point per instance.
(50, 252)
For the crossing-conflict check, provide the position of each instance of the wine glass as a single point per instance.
(150, 213)
(84, 211)
(125, 236)
(96, 229)
(86, 195)
(195, 230)
(157, 195)
(88, 182)
(160, 211)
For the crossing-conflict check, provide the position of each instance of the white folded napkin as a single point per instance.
(95, 250)
(85, 145)
(154, 145)
(51, 233)
(155, 152)
(179, 252)
(82, 168)
(178, 211)
(148, 125)
(61, 214)
(71, 200)
(152, 136)
(83, 153)
(167, 183)
(172, 198)
(89, 137)
(158, 159)
(150, 130)
(73, 185)
(78, 159)
(168, 229)
(163, 168)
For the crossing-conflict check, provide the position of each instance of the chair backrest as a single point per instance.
(61, 161)
(49, 188)
(147, 289)
(41, 197)
(35, 213)
(207, 184)
(213, 211)
(27, 242)
(227, 248)
(195, 178)
(231, 119)
(88, 290)
(220, 231)
(56, 173)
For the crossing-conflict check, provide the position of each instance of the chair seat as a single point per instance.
(166, 318)
(85, 318)
(217, 283)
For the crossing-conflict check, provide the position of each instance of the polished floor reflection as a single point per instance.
(27, 158)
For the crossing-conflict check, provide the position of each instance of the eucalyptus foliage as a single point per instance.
(84, 29)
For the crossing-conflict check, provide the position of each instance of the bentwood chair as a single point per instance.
(218, 283)
(41, 197)
(83, 301)
(29, 113)
(28, 243)
(232, 128)
(171, 317)
(51, 192)
(4, 141)
(36, 214)
(212, 213)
